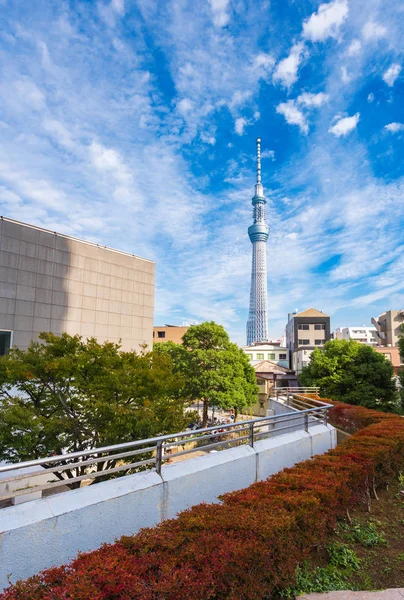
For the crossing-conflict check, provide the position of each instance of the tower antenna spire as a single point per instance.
(258, 160)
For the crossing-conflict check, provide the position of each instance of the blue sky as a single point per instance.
(133, 123)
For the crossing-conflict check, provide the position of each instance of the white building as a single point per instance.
(363, 335)
(273, 352)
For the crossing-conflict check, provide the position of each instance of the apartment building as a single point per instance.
(363, 335)
(388, 327)
(54, 282)
(273, 352)
(305, 331)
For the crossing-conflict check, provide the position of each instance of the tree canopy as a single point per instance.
(352, 372)
(401, 370)
(215, 370)
(65, 395)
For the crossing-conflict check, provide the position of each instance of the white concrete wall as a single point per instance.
(51, 531)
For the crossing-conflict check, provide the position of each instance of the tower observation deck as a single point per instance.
(257, 324)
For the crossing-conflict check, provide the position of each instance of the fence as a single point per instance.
(103, 463)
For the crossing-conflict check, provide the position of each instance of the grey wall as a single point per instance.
(50, 282)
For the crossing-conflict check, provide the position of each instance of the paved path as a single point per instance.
(393, 594)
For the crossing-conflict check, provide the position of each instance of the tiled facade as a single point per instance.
(169, 333)
(51, 282)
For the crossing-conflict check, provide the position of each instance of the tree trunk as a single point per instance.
(235, 414)
(205, 413)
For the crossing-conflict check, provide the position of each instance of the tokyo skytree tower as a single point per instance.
(257, 324)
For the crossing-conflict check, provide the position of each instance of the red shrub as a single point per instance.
(249, 546)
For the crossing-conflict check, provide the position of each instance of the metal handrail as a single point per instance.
(217, 435)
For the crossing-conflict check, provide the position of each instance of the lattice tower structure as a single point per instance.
(257, 324)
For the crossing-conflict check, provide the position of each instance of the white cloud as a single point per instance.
(264, 61)
(287, 69)
(118, 6)
(239, 98)
(239, 125)
(185, 105)
(345, 125)
(108, 160)
(373, 31)
(208, 139)
(312, 100)
(354, 48)
(268, 154)
(219, 11)
(293, 115)
(344, 75)
(326, 21)
(391, 74)
(371, 97)
(394, 127)
(29, 93)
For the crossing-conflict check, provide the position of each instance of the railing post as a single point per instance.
(159, 456)
(306, 422)
(251, 435)
(326, 416)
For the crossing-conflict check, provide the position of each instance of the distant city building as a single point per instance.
(363, 335)
(305, 331)
(273, 352)
(257, 324)
(388, 327)
(169, 333)
(270, 376)
(392, 353)
(57, 283)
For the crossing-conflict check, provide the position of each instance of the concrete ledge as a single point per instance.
(205, 478)
(43, 533)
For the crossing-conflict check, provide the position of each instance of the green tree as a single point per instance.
(352, 372)
(401, 370)
(215, 370)
(67, 395)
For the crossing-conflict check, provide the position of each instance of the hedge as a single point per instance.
(246, 548)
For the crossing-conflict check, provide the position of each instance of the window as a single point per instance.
(161, 334)
(304, 342)
(282, 357)
(249, 356)
(271, 356)
(5, 342)
(260, 356)
(319, 326)
(318, 342)
(304, 326)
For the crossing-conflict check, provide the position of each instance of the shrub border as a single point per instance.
(249, 546)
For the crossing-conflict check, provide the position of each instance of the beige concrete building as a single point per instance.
(305, 331)
(169, 333)
(392, 354)
(388, 327)
(53, 282)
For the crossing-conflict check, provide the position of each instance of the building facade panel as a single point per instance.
(51, 282)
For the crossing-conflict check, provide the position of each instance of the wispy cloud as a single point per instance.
(286, 71)
(139, 119)
(293, 115)
(391, 74)
(394, 127)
